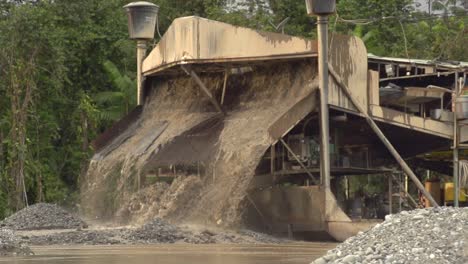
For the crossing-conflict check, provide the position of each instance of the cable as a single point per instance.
(406, 40)
(157, 27)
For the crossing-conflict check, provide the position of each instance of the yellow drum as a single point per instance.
(450, 193)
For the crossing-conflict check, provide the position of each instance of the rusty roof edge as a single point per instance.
(246, 60)
(199, 40)
(440, 64)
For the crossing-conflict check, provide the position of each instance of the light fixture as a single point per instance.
(142, 18)
(320, 7)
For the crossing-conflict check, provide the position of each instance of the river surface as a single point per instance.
(294, 253)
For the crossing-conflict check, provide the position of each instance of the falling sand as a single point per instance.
(228, 148)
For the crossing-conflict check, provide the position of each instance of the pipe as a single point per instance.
(455, 148)
(322, 28)
(383, 138)
(141, 50)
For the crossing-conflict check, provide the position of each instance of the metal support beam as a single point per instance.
(204, 88)
(382, 137)
(226, 75)
(141, 50)
(455, 147)
(298, 160)
(322, 28)
(273, 161)
(411, 199)
(390, 194)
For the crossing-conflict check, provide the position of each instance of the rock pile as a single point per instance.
(42, 216)
(156, 231)
(11, 246)
(435, 235)
(83, 237)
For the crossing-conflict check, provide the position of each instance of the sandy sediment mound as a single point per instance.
(42, 216)
(10, 245)
(436, 235)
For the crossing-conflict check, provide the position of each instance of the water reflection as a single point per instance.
(176, 254)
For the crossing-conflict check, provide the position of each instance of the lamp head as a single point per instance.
(142, 18)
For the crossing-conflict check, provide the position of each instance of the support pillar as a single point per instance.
(390, 194)
(455, 148)
(322, 28)
(141, 51)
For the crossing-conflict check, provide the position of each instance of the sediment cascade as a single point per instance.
(179, 126)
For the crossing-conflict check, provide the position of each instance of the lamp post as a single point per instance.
(322, 9)
(142, 17)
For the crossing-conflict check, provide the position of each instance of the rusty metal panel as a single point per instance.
(348, 56)
(308, 208)
(148, 139)
(292, 205)
(117, 129)
(199, 40)
(197, 144)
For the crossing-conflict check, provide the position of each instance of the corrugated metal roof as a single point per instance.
(439, 64)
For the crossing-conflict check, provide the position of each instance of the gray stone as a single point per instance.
(419, 236)
(320, 261)
(349, 259)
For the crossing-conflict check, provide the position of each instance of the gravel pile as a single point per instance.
(435, 235)
(42, 216)
(84, 237)
(10, 245)
(159, 231)
(156, 231)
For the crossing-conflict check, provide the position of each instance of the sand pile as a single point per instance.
(438, 235)
(235, 144)
(42, 216)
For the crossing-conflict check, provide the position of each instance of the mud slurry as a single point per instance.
(253, 102)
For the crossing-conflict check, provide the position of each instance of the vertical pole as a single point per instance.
(390, 193)
(272, 162)
(322, 27)
(141, 50)
(455, 147)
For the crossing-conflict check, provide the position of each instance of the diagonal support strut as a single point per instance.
(203, 88)
(298, 160)
(382, 136)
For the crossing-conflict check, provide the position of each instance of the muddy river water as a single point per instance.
(176, 254)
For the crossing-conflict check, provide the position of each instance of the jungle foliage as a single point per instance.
(67, 71)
